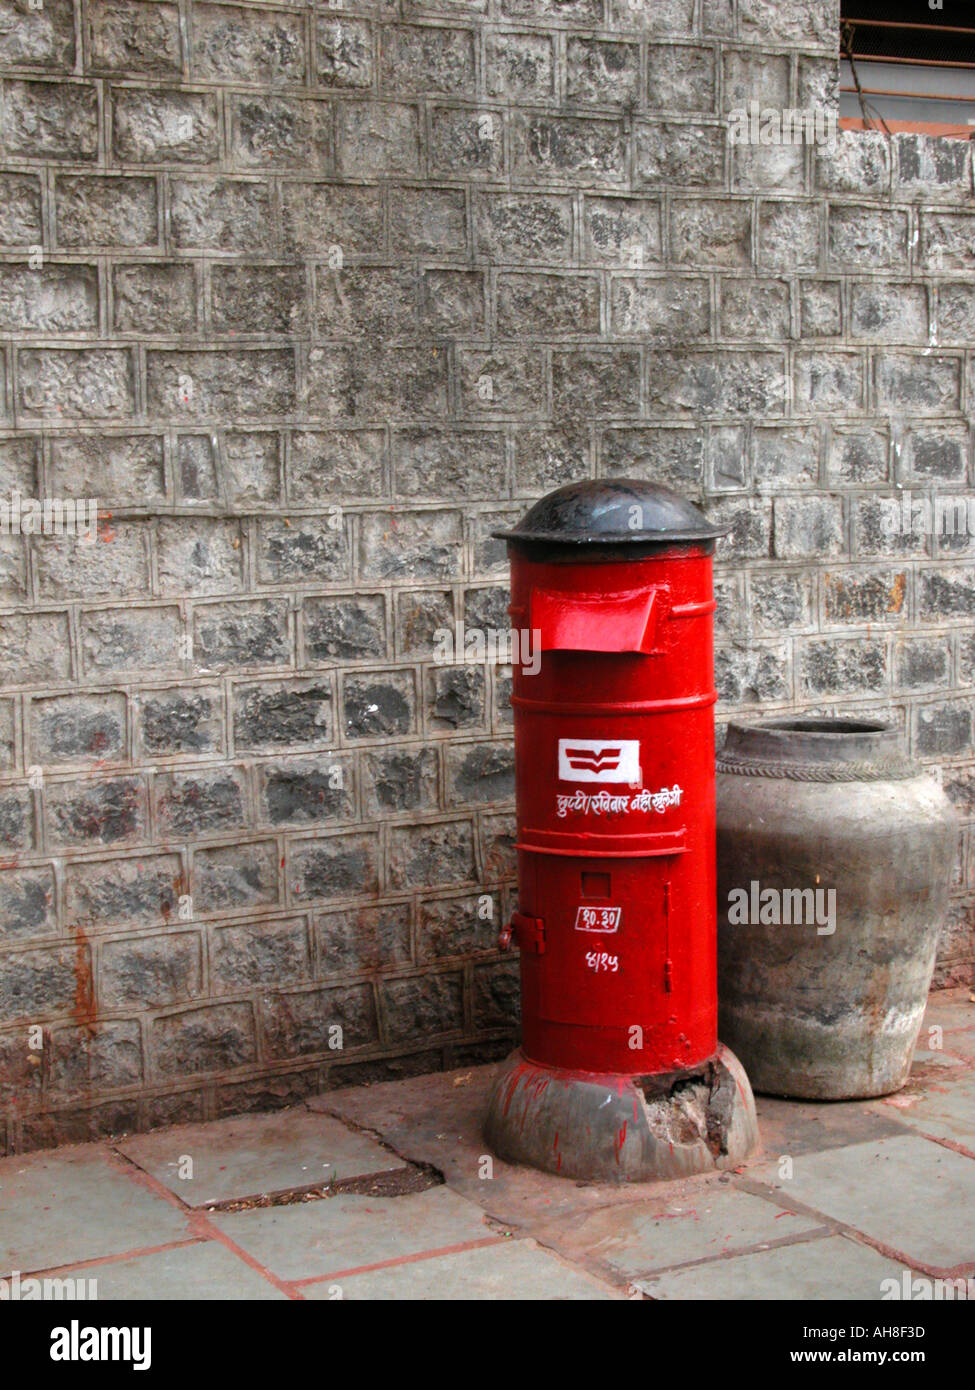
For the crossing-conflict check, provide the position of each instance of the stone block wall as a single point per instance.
(311, 297)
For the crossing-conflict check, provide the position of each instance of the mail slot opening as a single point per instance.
(595, 885)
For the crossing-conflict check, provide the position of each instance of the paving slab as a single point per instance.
(438, 1119)
(810, 1126)
(960, 1042)
(256, 1155)
(908, 1193)
(952, 1009)
(203, 1271)
(709, 1221)
(930, 1066)
(311, 1239)
(834, 1267)
(945, 1109)
(511, 1269)
(63, 1206)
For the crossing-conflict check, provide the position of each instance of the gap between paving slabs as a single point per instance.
(381, 1268)
(299, 1133)
(159, 1257)
(260, 1160)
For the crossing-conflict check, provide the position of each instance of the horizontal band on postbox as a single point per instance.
(587, 845)
(619, 707)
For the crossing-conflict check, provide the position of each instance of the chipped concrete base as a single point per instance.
(623, 1128)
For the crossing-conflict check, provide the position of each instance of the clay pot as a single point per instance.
(828, 1004)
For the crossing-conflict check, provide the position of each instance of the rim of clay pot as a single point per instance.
(803, 738)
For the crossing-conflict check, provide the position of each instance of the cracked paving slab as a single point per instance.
(256, 1155)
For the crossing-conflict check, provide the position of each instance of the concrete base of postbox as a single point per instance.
(623, 1128)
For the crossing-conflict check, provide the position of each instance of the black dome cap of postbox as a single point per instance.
(600, 513)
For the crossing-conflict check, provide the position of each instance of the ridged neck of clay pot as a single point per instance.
(812, 740)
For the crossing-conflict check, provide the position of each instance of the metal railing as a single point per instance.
(900, 74)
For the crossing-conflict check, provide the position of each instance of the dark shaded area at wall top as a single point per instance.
(910, 31)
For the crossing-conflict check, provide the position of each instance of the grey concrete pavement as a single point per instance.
(388, 1192)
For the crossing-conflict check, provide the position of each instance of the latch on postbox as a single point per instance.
(528, 932)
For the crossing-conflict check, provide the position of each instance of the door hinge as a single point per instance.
(529, 933)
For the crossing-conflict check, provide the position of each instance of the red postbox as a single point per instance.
(620, 1073)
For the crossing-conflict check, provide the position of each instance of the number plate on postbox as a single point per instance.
(604, 919)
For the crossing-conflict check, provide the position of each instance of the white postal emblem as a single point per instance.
(600, 760)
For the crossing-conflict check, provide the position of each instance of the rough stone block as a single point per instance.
(804, 527)
(77, 729)
(76, 383)
(275, 714)
(219, 214)
(513, 227)
(232, 44)
(51, 120)
(45, 983)
(228, 387)
(455, 697)
(140, 891)
(150, 971)
(427, 60)
(865, 596)
(686, 155)
(235, 876)
(204, 803)
(258, 299)
(53, 299)
(214, 1038)
(423, 1005)
(20, 210)
(38, 38)
(364, 939)
(151, 126)
(867, 238)
(399, 780)
(519, 66)
(296, 791)
(344, 53)
(333, 866)
(427, 855)
(185, 720)
(85, 814)
(707, 232)
(264, 953)
(376, 139)
(271, 132)
(380, 704)
(789, 236)
(27, 904)
(306, 1021)
(344, 629)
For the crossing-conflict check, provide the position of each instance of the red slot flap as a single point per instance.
(620, 622)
